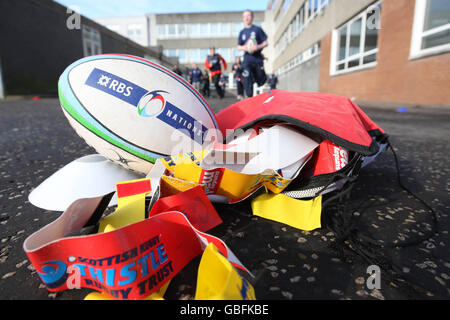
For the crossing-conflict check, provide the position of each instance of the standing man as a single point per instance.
(252, 39)
(273, 81)
(195, 75)
(237, 72)
(212, 63)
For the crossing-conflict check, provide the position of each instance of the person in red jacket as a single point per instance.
(212, 62)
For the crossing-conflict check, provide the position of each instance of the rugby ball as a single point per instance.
(133, 111)
(250, 43)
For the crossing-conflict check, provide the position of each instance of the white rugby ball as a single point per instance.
(133, 111)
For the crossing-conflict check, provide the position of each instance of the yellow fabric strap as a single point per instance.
(231, 184)
(130, 209)
(300, 214)
(218, 280)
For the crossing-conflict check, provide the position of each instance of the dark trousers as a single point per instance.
(240, 87)
(253, 73)
(219, 89)
(204, 89)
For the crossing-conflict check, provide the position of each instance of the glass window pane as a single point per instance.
(193, 30)
(225, 53)
(370, 58)
(203, 54)
(224, 29)
(86, 34)
(371, 41)
(214, 29)
(342, 42)
(341, 66)
(182, 55)
(437, 14)
(171, 29)
(237, 27)
(436, 39)
(355, 37)
(88, 48)
(194, 55)
(353, 63)
(204, 29)
(302, 16)
(310, 6)
(286, 4)
(161, 30)
(182, 30)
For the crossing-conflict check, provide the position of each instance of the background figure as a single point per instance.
(252, 39)
(205, 84)
(223, 83)
(273, 81)
(195, 76)
(177, 70)
(212, 63)
(237, 73)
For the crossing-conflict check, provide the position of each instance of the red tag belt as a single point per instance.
(131, 262)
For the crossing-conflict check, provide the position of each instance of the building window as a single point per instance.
(161, 31)
(194, 30)
(431, 29)
(182, 57)
(303, 57)
(236, 53)
(171, 30)
(355, 44)
(166, 31)
(306, 14)
(204, 30)
(92, 44)
(225, 53)
(181, 32)
(180, 53)
(134, 30)
(237, 27)
(224, 29)
(274, 2)
(194, 55)
(203, 54)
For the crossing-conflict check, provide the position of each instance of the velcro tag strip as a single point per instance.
(300, 214)
(234, 185)
(218, 280)
(130, 262)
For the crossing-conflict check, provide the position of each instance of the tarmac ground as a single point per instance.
(379, 224)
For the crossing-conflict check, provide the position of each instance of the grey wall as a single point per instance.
(304, 77)
(36, 45)
(337, 12)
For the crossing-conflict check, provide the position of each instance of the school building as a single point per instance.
(187, 36)
(383, 51)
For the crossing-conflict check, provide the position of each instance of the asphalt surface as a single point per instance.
(381, 223)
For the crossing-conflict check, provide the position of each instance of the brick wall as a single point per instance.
(395, 79)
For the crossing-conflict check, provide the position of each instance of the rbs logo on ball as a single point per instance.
(149, 104)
